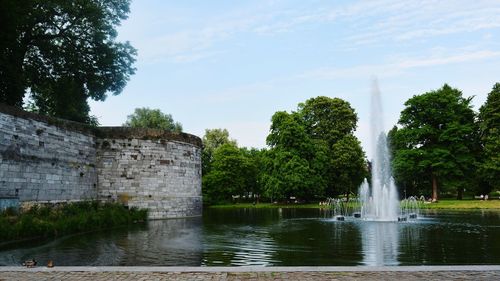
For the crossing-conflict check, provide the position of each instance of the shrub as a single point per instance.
(57, 220)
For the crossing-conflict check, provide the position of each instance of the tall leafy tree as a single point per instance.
(437, 138)
(289, 175)
(328, 119)
(253, 173)
(309, 154)
(410, 178)
(153, 119)
(62, 53)
(229, 170)
(348, 164)
(213, 139)
(288, 132)
(227, 176)
(489, 121)
(295, 164)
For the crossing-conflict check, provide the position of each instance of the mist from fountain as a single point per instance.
(380, 202)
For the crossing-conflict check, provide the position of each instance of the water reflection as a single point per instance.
(241, 246)
(172, 242)
(288, 237)
(385, 242)
(239, 237)
(278, 237)
(380, 242)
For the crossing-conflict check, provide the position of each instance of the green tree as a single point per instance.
(308, 150)
(437, 139)
(253, 172)
(229, 170)
(227, 176)
(288, 170)
(408, 175)
(348, 163)
(62, 53)
(489, 122)
(213, 139)
(328, 119)
(288, 175)
(65, 99)
(153, 119)
(288, 132)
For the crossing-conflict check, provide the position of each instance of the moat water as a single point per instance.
(281, 237)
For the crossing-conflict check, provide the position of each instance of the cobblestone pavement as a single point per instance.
(268, 275)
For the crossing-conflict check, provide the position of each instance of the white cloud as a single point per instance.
(426, 19)
(371, 22)
(375, 22)
(397, 67)
(192, 43)
(185, 46)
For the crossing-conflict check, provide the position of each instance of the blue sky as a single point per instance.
(232, 64)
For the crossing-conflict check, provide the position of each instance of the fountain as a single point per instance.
(378, 201)
(410, 207)
(381, 202)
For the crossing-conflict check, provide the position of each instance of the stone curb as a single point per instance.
(178, 269)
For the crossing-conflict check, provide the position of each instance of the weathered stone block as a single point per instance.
(45, 159)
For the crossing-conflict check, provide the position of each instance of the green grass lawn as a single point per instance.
(266, 205)
(442, 204)
(463, 204)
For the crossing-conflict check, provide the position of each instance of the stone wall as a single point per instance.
(44, 162)
(51, 160)
(150, 169)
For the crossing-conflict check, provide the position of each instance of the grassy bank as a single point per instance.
(44, 222)
(463, 204)
(442, 204)
(267, 206)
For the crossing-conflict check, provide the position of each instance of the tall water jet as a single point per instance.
(380, 202)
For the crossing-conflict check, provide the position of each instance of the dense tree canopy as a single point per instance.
(439, 143)
(289, 175)
(489, 118)
(437, 139)
(226, 177)
(410, 178)
(153, 119)
(62, 53)
(213, 139)
(288, 132)
(329, 119)
(294, 165)
(253, 172)
(313, 152)
(228, 170)
(348, 164)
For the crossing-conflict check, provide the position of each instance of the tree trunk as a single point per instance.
(12, 86)
(434, 188)
(460, 193)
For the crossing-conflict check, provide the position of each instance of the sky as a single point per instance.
(233, 64)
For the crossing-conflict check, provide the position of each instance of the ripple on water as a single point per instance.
(266, 238)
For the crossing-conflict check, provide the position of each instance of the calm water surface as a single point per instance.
(267, 237)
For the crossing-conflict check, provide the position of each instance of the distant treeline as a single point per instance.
(440, 146)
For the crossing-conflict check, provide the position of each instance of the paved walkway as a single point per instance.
(253, 273)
